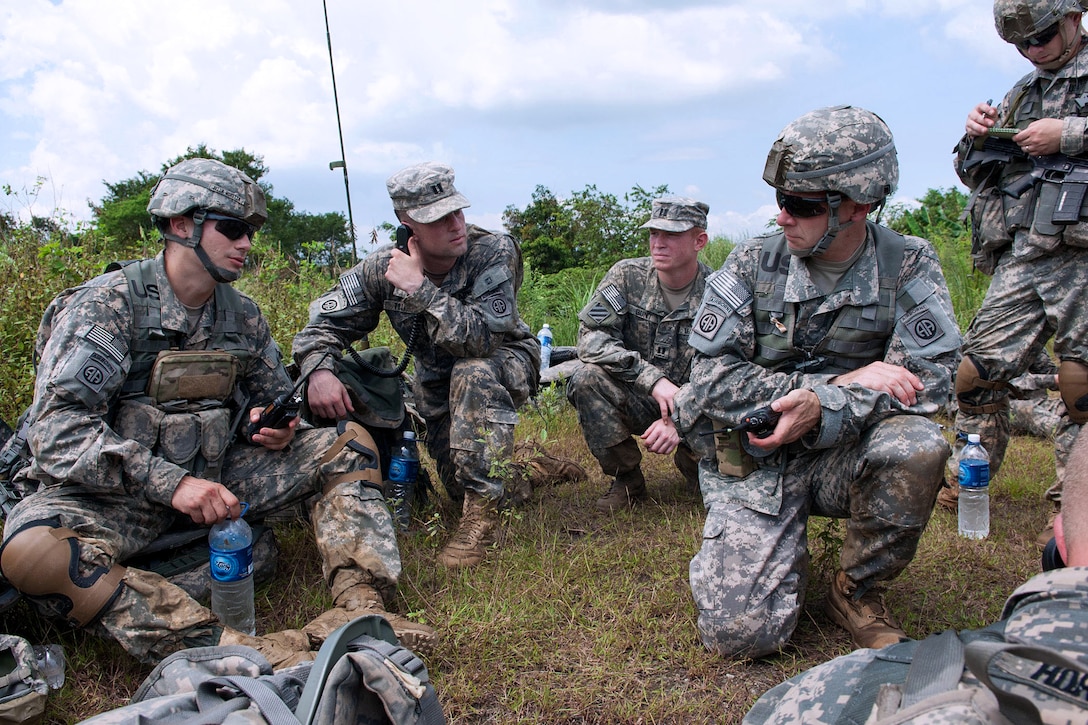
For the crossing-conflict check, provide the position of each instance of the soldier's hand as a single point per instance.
(800, 411)
(664, 392)
(661, 437)
(274, 439)
(1041, 137)
(327, 396)
(981, 119)
(205, 502)
(896, 381)
(405, 271)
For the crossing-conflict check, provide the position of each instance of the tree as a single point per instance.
(590, 229)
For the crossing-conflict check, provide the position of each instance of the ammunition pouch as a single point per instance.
(197, 440)
(1073, 386)
(970, 383)
(990, 234)
(192, 375)
(42, 560)
(731, 456)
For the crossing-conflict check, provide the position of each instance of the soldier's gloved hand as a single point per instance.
(205, 502)
(327, 396)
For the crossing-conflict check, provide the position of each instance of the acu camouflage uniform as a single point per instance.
(115, 491)
(1049, 611)
(627, 342)
(1039, 289)
(765, 329)
(476, 361)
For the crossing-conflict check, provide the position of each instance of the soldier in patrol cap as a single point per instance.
(148, 377)
(632, 343)
(1035, 657)
(453, 300)
(1039, 290)
(845, 328)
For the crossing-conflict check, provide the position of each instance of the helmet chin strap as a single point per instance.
(219, 274)
(834, 226)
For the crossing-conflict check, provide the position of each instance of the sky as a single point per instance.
(513, 94)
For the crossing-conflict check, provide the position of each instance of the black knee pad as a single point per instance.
(42, 561)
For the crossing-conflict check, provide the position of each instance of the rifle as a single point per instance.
(760, 422)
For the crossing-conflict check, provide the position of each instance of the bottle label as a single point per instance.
(974, 473)
(231, 566)
(403, 470)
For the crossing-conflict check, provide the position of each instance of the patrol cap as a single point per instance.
(425, 192)
(676, 214)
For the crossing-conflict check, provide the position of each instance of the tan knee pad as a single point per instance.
(1073, 386)
(969, 380)
(43, 561)
(357, 438)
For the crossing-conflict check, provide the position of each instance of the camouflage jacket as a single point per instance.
(726, 383)
(1049, 611)
(472, 314)
(84, 346)
(627, 329)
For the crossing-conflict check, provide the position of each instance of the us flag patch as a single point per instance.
(612, 294)
(351, 287)
(730, 289)
(105, 341)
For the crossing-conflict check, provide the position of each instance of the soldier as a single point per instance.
(1041, 678)
(846, 330)
(145, 373)
(1039, 285)
(453, 300)
(632, 343)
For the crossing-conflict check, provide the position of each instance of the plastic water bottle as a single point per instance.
(403, 470)
(974, 503)
(545, 337)
(231, 568)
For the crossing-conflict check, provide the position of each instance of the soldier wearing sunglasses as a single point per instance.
(146, 376)
(845, 328)
(1039, 267)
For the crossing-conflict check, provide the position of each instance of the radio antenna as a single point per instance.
(343, 162)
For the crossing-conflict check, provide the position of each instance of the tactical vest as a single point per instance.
(856, 336)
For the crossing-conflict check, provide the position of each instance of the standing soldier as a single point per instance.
(145, 374)
(845, 328)
(634, 351)
(1039, 289)
(453, 300)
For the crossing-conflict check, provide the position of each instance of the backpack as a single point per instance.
(23, 688)
(362, 675)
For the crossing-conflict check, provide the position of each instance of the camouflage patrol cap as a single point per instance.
(843, 149)
(208, 184)
(425, 192)
(1018, 20)
(676, 214)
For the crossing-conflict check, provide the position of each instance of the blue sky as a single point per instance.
(511, 93)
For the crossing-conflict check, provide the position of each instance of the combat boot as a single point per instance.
(360, 601)
(474, 534)
(868, 621)
(1047, 533)
(548, 470)
(627, 488)
(282, 649)
(948, 497)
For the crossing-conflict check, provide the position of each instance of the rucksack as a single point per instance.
(23, 688)
(362, 676)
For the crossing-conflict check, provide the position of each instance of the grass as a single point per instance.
(577, 617)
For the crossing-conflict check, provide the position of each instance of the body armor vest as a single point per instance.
(852, 336)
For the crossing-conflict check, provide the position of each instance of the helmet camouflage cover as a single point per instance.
(1018, 20)
(211, 185)
(840, 149)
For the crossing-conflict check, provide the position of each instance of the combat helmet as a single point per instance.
(1018, 20)
(205, 188)
(844, 151)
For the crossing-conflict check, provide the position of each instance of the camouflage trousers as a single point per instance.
(471, 419)
(1028, 302)
(152, 617)
(609, 413)
(749, 577)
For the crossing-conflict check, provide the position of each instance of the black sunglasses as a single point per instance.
(231, 228)
(1040, 38)
(800, 207)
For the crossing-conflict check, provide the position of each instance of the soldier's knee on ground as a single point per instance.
(747, 635)
(1073, 386)
(972, 383)
(42, 561)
